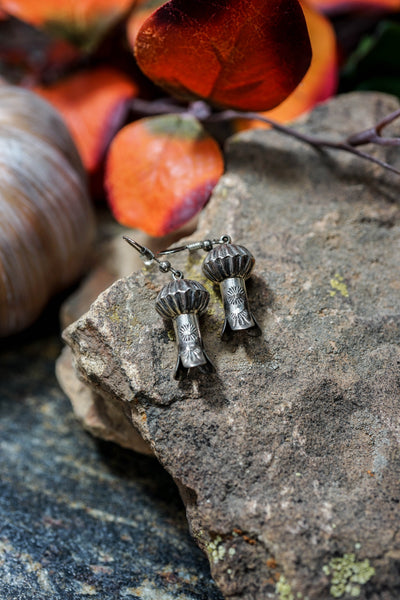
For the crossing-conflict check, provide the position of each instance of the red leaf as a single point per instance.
(143, 10)
(320, 81)
(93, 104)
(244, 54)
(160, 172)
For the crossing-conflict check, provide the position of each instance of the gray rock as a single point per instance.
(81, 519)
(114, 260)
(288, 457)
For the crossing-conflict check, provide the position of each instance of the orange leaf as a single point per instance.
(93, 104)
(244, 54)
(320, 81)
(337, 6)
(160, 172)
(81, 21)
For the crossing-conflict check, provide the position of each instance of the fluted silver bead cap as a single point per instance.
(228, 261)
(182, 296)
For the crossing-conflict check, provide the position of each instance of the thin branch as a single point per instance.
(373, 134)
(316, 142)
(387, 120)
(151, 108)
(204, 113)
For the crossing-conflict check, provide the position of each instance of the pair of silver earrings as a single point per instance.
(183, 300)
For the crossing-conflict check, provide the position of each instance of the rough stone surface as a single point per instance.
(81, 518)
(103, 419)
(288, 457)
(114, 260)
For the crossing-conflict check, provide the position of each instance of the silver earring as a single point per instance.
(229, 265)
(182, 300)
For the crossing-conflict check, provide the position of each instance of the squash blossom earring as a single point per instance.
(182, 301)
(229, 265)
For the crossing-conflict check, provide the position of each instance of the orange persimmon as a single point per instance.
(160, 171)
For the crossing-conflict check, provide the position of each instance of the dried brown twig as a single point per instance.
(204, 113)
(369, 136)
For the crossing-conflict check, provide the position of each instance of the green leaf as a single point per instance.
(375, 64)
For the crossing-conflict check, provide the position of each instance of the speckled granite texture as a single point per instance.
(79, 518)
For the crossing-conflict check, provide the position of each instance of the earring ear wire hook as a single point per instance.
(149, 256)
(206, 245)
(143, 251)
(181, 301)
(229, 265)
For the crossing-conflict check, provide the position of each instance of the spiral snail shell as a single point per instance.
(46, 220)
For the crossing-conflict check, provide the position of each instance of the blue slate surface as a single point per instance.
(81, 518)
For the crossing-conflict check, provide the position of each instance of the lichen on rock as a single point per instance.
(347, 575)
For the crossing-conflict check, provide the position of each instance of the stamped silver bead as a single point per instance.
(230, 265)
(183, 300)
(228, 260)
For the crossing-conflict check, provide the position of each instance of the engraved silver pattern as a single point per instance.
(192, 357)
(240, 320)
(236, 295)
(188, 332)
(182, 296)
(228, 260)
(182, 300)
(230, 265)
